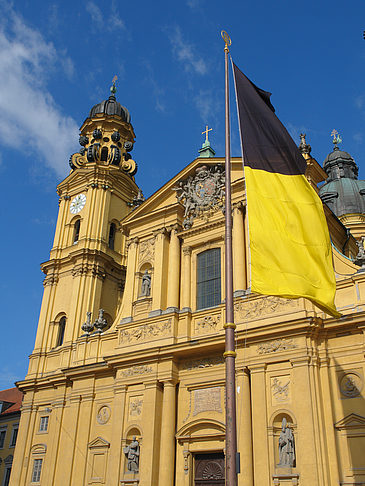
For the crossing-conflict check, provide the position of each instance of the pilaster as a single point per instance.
(159, 275)
(245, 478)
(126, 310)
(307, 449)
(173, 270)
(239, 251)
(114, 467)
(259, 425)
(168, 445)
(186, 279)
(150, 454)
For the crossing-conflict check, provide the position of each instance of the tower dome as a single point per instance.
(342, 191)
(110, 107)
(106, 137)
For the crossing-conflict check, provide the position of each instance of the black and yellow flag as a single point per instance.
(289, 241)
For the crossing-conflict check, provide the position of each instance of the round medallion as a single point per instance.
(103, 415)
(77, 203)
(351, 385)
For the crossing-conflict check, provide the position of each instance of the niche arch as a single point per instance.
(274, 431)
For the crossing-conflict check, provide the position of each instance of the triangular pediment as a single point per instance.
(164, 201)
(351, 421)
(98, 442)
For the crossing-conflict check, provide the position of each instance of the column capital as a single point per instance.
(187, 250)
(257, 368)
(300, 361)
(174, 228)
(238, 207)
(152, 384)
(160, 231)
(132, 241)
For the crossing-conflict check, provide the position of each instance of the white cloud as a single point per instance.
(358, 137)
(295, 132)
(95, 13)
(193, 4)
(113, 22)
(31, 120)
(205, 105)
(156, 91)
(185, 52)
(359, 101)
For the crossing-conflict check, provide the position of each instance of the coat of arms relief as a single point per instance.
(201, 194)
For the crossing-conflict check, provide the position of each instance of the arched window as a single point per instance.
(112, 232)
(61, 331)
(76, 230)
(208, 290)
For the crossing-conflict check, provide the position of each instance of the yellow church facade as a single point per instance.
(126, 380)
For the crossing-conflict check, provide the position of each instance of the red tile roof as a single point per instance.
(14, 396)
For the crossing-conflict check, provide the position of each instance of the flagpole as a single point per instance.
(229, 326)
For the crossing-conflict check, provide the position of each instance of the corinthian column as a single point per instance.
(174, 271)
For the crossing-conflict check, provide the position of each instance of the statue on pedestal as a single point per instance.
(131, 452)
(286, 446)
(146, 284)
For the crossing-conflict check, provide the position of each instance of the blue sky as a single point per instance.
(57, 59)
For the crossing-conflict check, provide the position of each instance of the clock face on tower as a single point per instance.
(77, 203)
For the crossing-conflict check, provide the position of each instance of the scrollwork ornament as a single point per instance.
(202, 193)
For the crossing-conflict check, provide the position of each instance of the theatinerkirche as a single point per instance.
(126, 382)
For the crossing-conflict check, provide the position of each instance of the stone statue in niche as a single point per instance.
(146, 284)
(286, 446)
(131, 452)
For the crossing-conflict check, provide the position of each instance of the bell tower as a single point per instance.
(86, 269)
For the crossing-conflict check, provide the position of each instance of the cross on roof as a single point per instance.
(206, 132)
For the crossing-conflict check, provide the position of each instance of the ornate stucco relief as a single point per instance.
(207, 400)
(146, 250)
(351, 384)
(145, 332)
(103, 415)
(207, 324)
(137, 370)
(280, 389)
(202, 363)
(135, 406)
(202, 193)
(252, 309)
(276, 345)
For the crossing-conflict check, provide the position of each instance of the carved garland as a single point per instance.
(145, 332)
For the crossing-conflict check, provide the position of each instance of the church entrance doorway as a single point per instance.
(209, 469)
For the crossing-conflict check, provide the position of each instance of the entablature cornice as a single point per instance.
(88, 370)
(148, 222)
(95, 176)
(53, 265)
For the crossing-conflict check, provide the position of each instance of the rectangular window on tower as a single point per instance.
(208, 278)
(37, 469)
(43, 424)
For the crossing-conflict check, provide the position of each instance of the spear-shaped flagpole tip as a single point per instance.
(227, 40)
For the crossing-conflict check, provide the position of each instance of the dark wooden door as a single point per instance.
(209, 469)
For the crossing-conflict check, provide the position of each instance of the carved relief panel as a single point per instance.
(135, 406)
(280, 389)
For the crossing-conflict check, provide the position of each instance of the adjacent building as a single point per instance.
(10, 403)
(126, 380)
